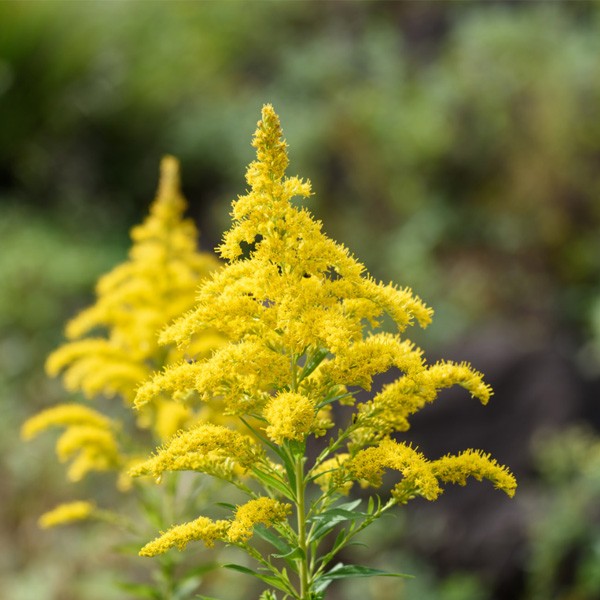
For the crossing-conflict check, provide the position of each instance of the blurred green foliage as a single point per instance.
(453, 146)
(46, 269)
(564, 561)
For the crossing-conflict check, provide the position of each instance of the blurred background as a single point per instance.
(454, 147)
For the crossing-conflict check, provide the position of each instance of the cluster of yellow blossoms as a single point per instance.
(237, 375)
(301, 318)
(113, 345)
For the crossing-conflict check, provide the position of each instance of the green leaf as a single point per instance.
(350, 505)
(269, 536)
(261, 437)
(226, 505)
(285, 551)
(274, 483)
(270, 579)
(314, 362)
(290, 469)
(239, 568)
(342, 571)
(330, 518)
(293, 554)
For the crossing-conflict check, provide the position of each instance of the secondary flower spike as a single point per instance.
(112, 345)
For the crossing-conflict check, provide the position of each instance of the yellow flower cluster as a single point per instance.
(135, 300)
(204, 448)
(477, 464)
(296, 295)
(92, 448)
(114, 346)
(260, 510)
(238, 530)
(274, 342)
(67, 513)
(420, 476)
(299, 312)
(291, 417)
(330, 475)
(389, 410)
(89, 438)
(64, 415)
(301, 319)
(202, 528)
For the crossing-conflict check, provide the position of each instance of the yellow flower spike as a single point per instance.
(389, 410)
(370, 464)
(291, 417)
(360, 362)
(136, 300)
(202, 529)
(474, 463)
(204, 448)
(96, 450)
(63, 415)
(67, 513)
(298, 289)
(261, 510)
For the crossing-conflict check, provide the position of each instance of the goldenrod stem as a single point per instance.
(301, 517)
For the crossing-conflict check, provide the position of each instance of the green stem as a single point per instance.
(301, 516)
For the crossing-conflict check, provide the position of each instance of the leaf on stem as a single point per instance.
(342, 571)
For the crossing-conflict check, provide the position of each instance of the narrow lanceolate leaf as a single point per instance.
(271, 482)
(269, 536)
(285, 551)
(314, 362)
(272, 580)
(350, 505)
(330, 518)
(293, 554)
(341, 571)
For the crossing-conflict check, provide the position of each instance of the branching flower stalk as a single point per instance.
(302, 324)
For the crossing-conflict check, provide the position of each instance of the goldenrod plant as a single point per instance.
(302, 321)
(112, 347)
